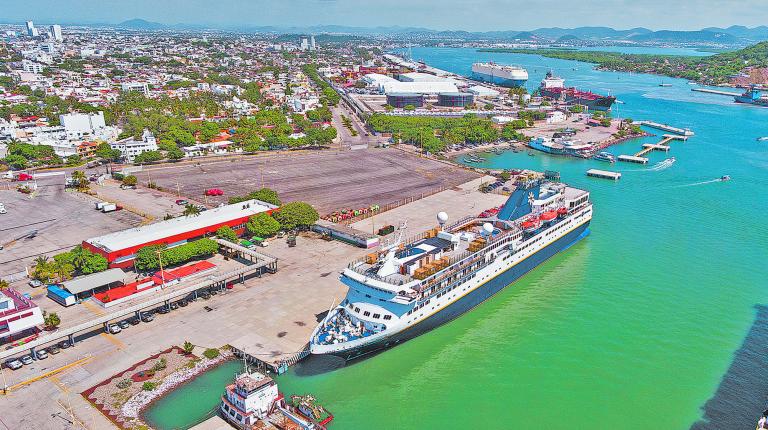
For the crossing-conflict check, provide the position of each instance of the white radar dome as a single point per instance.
(442, 217)
(488, 228)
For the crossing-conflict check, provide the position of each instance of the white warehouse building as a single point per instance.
(420, 87)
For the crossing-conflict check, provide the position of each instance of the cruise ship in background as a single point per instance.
(506, 76)
(412, 286)
(554, 87)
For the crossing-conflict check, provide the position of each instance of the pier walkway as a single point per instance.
(665, 127)
(722, 93)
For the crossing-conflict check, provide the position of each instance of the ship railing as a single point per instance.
(460, 223)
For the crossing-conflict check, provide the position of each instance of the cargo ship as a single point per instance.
(554, 88)
(409, 287)
(752, 96)
(503, 75)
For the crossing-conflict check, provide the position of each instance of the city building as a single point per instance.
(455, 99)
(130, 147)
(312, 44)
(19, 316)
(135, 86)
(77, 125)
(120, 248)
(56, 33)
(32, 67)
(401, 100)
(419, 87)
(304, 44)
(31, 30)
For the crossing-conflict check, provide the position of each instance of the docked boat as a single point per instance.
(752, 96)
(405, 289)
(503, 75)
(310, 409)
(562, 146)
(253, 401)
(605, 156)
(665, 85)
(553, 87)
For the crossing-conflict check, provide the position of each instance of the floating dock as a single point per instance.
(632, 159)
(722, 93)
(665, 127)
(604, 174)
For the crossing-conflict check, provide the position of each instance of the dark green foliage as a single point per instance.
(296, 214)
(147, 258)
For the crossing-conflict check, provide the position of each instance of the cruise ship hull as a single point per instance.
(471, 300)
(498, 80)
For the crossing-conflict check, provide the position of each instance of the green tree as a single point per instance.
(296, 214)
(105, 152)
(262, 225)
(130, 180)
(409, 107)
(225, 232)
(4, 284)
(175, 153)
(16, 161)
(148, 157)
(147, 257)
(191, 210)
(51, 320)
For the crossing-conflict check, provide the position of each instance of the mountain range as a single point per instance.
(734, 35)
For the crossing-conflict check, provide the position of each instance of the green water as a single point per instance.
(639, 326)
(193, 402)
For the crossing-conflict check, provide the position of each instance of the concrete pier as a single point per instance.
(604, 174)
(665, 127)
(722, 93)
(632, 159)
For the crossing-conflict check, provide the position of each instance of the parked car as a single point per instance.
(115, 329)
(181, 202)
(64, 344)
(3, 210)
(13, 364)
(174, 306)
(183, 303)
(42, 354)
(133, 320)
(163, 310)
(27, 360)
(230, 286)
(147, 317)
(35, 283)
(124, 324)
(53, 350)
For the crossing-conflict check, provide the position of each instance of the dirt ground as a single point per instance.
(328, 180)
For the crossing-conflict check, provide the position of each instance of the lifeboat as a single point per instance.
(562, 212)
(548, 216)
(529, 226)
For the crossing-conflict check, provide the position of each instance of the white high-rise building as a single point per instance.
(31, 30)
(56, 33)
(304, 43)
(312, 45)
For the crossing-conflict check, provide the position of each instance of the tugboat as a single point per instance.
(252, 397)
(308, 407)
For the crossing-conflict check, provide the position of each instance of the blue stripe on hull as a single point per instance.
(482, 77)
(472, 299)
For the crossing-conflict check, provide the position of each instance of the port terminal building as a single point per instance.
(120, 248)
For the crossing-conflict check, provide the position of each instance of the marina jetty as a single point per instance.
(665, 127)
(722, 93)
(604, 174)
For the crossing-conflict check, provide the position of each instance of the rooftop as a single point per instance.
(160, 230)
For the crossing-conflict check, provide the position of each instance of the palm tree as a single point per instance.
(191, 210)
(82, 181)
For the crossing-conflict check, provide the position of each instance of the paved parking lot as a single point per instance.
(329, 180)
(61, 218)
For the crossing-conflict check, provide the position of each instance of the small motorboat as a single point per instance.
(725, 178)
(605, 156)
(665, 85)
(762, 139)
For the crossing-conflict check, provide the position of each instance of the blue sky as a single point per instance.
(475, 15)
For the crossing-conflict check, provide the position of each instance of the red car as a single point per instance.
(214, 192)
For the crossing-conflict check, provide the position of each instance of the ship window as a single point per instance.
(350, 306)
(368, 295)
(357, 310)
(376, 316)
(366, 313)
(232, 412)
(239, 417)
(388, 317)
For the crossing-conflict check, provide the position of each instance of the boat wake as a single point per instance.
(698, 183)
(662, 165)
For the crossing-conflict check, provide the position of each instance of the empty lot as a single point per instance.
(328, 180)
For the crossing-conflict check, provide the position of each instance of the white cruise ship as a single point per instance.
(506, 76)
(410, 287)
